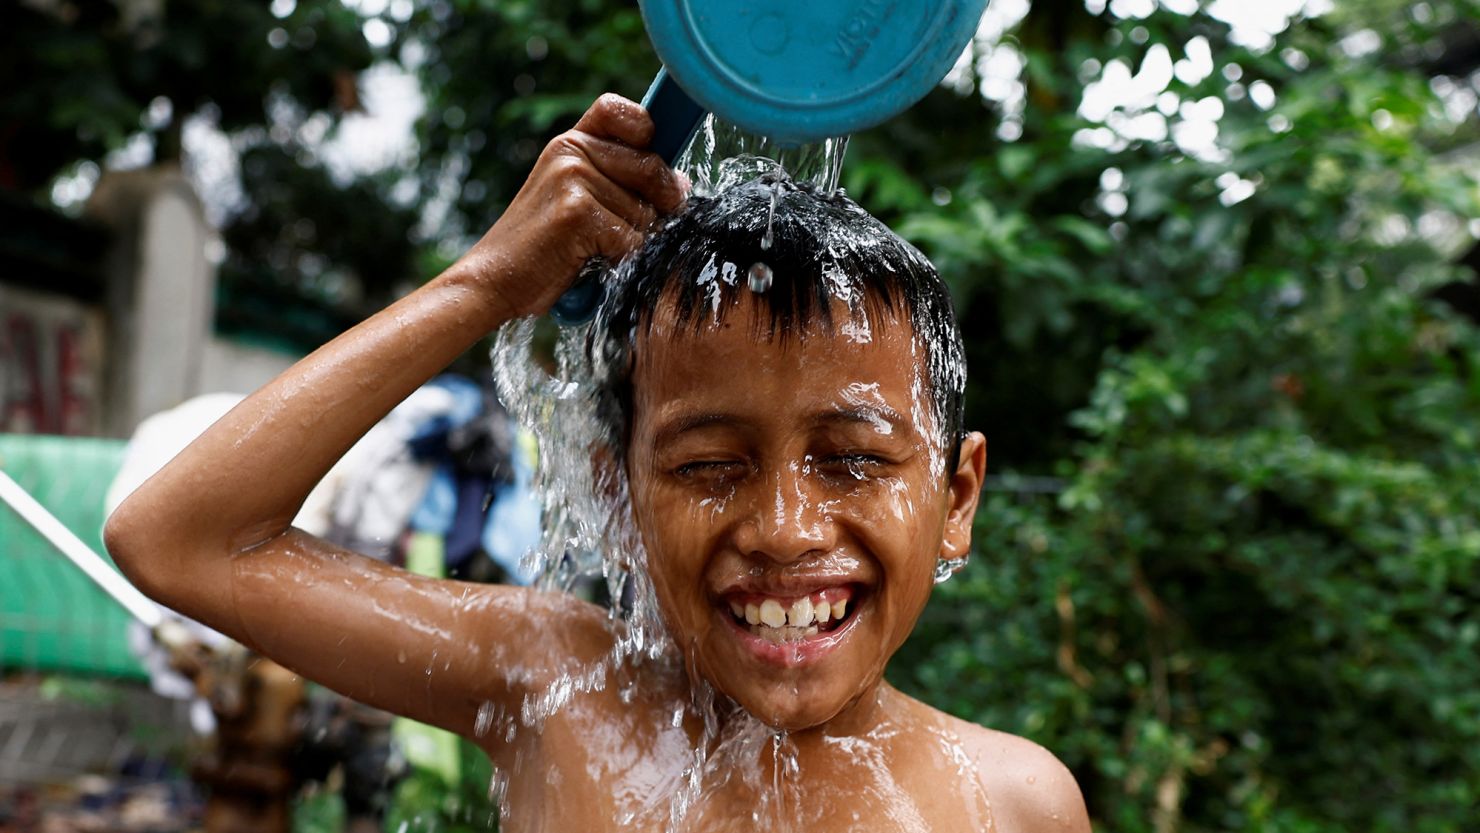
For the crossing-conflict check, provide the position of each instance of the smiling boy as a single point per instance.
(796, 472)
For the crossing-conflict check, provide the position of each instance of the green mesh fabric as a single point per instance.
(52, 617)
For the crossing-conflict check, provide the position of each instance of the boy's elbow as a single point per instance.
(125, 536)
(170, 560)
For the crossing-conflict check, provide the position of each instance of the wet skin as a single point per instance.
(788, 468)
(210, 536)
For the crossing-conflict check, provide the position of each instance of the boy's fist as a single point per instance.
(593, 191)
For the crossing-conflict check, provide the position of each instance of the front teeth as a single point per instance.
(800, 615)
(822, 612)
(803, 618)
(772, 614)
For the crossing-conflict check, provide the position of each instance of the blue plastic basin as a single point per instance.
(804, 70)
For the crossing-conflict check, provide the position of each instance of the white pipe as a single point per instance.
(141, 607)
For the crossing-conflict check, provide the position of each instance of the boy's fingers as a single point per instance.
(616, 237)
(622, 203)
(617, 118)
(638, 171)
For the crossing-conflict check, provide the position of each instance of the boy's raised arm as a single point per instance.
(210, 534)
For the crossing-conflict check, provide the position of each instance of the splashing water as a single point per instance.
(588, 530)
(723, 156)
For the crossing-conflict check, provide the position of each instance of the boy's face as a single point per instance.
(795, 482)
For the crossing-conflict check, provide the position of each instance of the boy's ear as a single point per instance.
(965, 492)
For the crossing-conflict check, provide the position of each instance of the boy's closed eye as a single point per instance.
(855, 465)
(717, 467)
(851, 465)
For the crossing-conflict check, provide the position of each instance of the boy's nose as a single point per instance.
(786, 522)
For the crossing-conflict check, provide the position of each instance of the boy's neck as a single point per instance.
(867, 747)
(874, 713)
(876, 708)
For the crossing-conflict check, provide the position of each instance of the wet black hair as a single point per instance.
(823, 248)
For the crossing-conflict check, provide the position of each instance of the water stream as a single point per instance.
(722, 156)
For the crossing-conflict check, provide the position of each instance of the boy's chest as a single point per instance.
(802, 811)
(603, 777)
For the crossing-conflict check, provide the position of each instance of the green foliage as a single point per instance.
(270, 75)
(318, 811)
(1254, 606)
(306, 258)
(426, 802)
(503, 78)
(85, 73)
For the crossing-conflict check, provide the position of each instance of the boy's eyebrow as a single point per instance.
(869, 415)
(693, 422)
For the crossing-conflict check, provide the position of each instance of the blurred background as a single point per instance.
(1215, 263)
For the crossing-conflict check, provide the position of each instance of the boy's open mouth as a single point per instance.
(785, 620)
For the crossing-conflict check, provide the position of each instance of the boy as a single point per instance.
(795, 478)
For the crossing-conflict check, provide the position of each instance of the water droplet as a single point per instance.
(769, 237)
(485, 719)
(947, 567)
(760, 277)
(498, 790)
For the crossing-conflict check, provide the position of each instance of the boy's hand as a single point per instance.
(593, 191)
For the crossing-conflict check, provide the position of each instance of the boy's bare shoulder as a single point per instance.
(1030, 789)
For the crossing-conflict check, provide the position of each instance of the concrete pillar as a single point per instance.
(161, 291)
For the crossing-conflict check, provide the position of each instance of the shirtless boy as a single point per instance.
(787, 451)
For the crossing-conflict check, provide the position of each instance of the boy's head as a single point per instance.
(832, 266)
(794, 456)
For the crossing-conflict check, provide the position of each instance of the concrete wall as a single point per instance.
(84, 365)
(51, 364)
(161, 302)
(161, 289)
(234, 367)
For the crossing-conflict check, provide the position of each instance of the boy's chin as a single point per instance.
(790, 718)
(781, 708)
